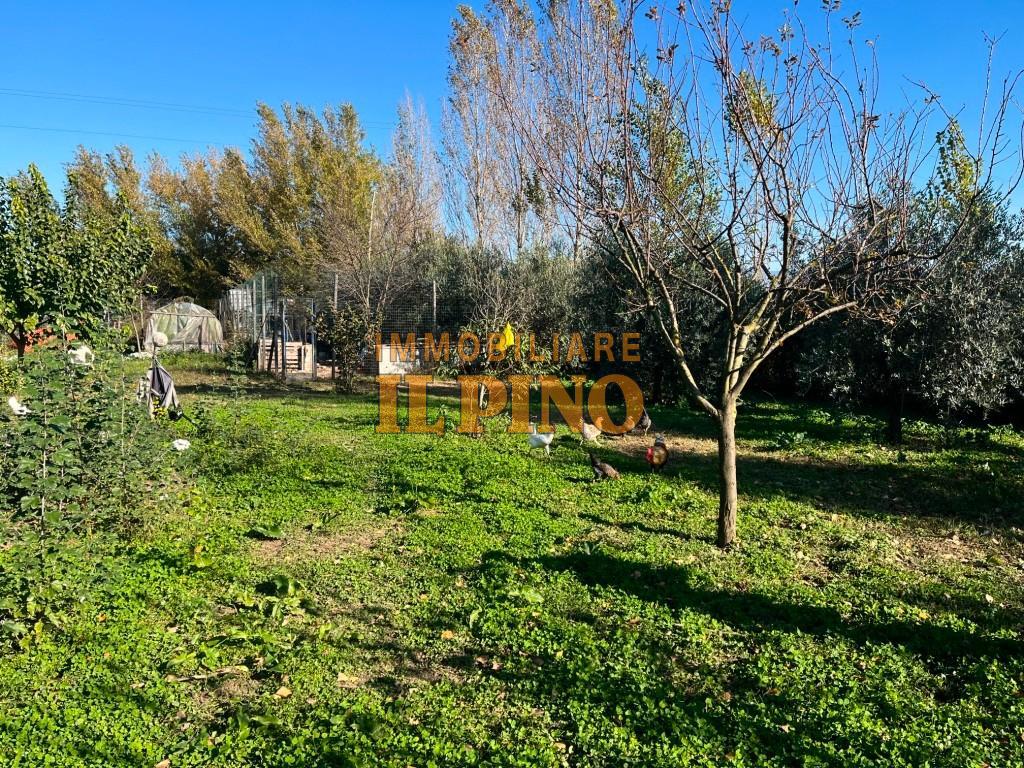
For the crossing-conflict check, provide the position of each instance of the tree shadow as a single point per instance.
(633, 527)
(664, 685)
(672, 587)
(872, 490)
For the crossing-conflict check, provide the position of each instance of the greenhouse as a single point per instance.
(187, 326)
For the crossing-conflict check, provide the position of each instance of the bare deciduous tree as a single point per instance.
(759, 172)
(373, 253)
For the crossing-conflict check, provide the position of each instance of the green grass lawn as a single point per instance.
(319, 595)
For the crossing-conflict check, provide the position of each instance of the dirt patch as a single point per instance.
(238, 688)
(302, 545)
(637, 445)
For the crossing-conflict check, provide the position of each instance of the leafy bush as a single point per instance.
(83, 460)
(787, 441)
(10, 377)
(346, 332)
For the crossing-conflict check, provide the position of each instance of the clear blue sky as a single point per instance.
(225, 56)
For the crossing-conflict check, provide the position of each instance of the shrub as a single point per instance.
(346, 332)
(10, 377)
(85, 459)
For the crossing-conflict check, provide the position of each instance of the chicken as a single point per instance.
(644, 424)
(606, 430)
(17, 408)
(657, 454)
(540, 439)
(588, 432)
(82, 355)
(603, 471)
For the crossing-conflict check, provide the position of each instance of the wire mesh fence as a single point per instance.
(276, 324)
(279, 325)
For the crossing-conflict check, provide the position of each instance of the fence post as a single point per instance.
(312, 337)
(284, 343)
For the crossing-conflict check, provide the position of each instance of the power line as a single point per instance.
(109, 133)
(115, 101)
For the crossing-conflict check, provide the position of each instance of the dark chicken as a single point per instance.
(644, 424)
(603, 471)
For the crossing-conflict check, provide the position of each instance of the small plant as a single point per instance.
(787, 441)
(10, 377)
(346, 332)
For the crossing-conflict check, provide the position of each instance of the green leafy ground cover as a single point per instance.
(319, 595)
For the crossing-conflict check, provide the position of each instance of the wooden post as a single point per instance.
(284, 343)
(312, 338)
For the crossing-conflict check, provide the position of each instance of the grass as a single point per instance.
(319, 595)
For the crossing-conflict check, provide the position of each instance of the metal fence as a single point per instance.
(277, 326)
(280, 325)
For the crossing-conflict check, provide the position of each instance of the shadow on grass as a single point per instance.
(752, 612)
(654, 530)
(662, 686)
(877, 490)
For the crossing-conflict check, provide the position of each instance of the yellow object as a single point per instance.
(508, 337)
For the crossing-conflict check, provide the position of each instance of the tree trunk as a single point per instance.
(20, 339)
(727, 504)
(894, 425)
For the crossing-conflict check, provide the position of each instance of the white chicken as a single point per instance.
(17, 407)
(588, 432)
(540, 439)
(82, 355)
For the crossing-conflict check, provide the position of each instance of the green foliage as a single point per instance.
(956, 184)
(363, 599)
(952, 346)
(751, 106)
(62, 265)
(789, 440)
(345, 330)
(10, 376)
(84, 461)
(309, 175)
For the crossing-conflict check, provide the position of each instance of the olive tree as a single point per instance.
(759, 172)
(953, 343)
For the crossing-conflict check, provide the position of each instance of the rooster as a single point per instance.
(588, 432)
(540, 439)
(603, 471)
(657, 454)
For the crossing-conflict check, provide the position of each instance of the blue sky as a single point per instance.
(223, 57)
